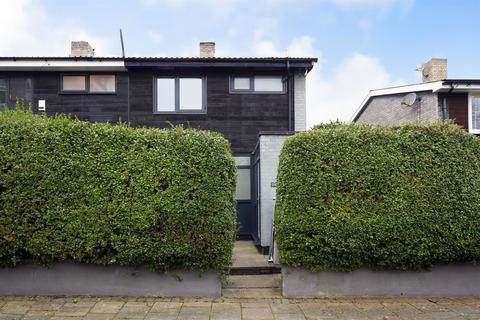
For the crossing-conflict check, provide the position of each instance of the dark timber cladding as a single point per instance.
(238, 116)
(457, 107)
(94, 107)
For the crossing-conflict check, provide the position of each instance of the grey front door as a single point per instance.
(245, 206)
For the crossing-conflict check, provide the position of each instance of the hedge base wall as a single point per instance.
(74, 279)
(453, 280)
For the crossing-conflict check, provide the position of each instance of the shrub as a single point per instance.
(110, 194)
(352, 196)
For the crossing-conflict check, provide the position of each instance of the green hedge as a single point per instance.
(110, 194)
(352, 196)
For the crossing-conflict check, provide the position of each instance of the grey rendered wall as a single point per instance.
(389, 110)
(270, 147)
(455, 280)
(71, 278)
(300, 102)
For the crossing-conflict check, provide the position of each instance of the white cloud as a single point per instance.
(376, 3)
(27, 30)
(155, 36)
(337, 97)
(216, 7)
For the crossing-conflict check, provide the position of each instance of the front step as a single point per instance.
(252, 293)
(247, 260)
(253, 286)
(271, 269)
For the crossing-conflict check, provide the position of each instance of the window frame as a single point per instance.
(103, 92)
(472, 95)
(232, 89)
(87, 84)
(85, 76)
(2, 105)
(249, 167)
(178, 110)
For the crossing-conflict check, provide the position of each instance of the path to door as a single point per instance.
(251, 275)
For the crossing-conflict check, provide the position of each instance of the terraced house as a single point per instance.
(436, 98)
(254, 102)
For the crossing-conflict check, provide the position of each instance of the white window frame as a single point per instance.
(178, 109)
(471, 95)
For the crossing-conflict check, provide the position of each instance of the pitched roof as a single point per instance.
(120, 63)
(446, 85)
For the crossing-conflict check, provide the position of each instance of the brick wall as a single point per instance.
(300, 103)
(390, 111)
(270, 147)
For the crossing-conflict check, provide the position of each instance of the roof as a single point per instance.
(121, 64)
(462, 85)
(235, 62)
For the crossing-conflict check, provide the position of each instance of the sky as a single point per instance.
(360, 44)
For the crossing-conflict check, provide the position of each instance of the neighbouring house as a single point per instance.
(254, 102)
(436, 98)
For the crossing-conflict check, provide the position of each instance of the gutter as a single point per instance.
(444, 103)
(289, 89)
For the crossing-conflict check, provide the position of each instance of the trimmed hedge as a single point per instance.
(110, 194)
(352, 196)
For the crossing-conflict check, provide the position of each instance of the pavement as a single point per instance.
(96, 308)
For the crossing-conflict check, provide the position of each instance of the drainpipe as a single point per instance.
(289, 88)
(444, 104)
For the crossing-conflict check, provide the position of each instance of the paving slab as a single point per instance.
(95, 308)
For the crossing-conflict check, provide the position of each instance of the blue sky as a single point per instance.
(361, 44)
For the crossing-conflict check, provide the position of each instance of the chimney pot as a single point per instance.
(434, 70)
(207, 49)
(81, 49)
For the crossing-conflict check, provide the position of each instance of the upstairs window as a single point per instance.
(74, 83)
(95, 83)
(474, 113)
(102, 83)
(180, 95)
(257, 84)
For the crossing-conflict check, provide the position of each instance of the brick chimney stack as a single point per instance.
(81, 49)
(434, 70)
(207, 49)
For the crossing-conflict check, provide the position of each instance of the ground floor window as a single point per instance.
(243, 191)
(474, 113)
(3, 93)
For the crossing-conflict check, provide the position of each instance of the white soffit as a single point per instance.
(62, 65)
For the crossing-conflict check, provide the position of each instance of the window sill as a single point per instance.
(180, 113)
(257, 92)
(87, 93)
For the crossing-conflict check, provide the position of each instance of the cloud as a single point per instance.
(155, 36)
(337, 97)
(27, 30)
(217, 7)
(371, 3)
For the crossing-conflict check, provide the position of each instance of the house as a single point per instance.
(436, 98)
(253, 102)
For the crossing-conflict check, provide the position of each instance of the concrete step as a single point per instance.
(259, 270)
(256, 281)
(252, 293)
